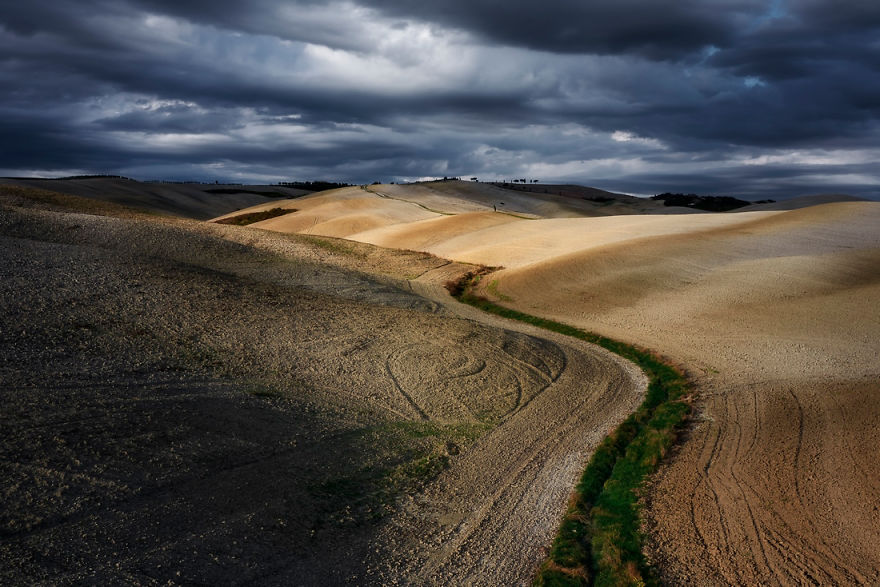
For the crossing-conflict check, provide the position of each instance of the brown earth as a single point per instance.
(188, 200)
(188, 327)
(345, 212)
(777, 321)
(195, 403)
(773, 312)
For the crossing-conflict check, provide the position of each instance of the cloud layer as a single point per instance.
(735, 97)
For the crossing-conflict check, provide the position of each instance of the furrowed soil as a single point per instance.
(773, 311)
(776, 320)
(193, 403)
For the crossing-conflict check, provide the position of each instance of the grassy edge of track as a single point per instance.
(599, 541)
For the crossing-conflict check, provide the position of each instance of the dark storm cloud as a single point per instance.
(849, 16)
(751, 182)
(658, 30)
(735, 96)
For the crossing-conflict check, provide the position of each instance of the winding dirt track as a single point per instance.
(777, 321)
(490, 517)
(774, 312)
(197, 403)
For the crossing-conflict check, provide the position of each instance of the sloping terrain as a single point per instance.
(773, 311)
(195, 403)
(347, 211)
(801, 202)
(501, 240)
(189, 200)
(590, 201)
(342, 212)
(777, 320)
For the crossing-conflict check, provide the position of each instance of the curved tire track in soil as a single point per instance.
(489, 518)
(415, 407)
(235, 393)
(770, 488)
(745, 525)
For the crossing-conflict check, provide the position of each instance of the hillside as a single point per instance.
(415, 438)
(189, 200)
(771, 309)
(376, 206)
(189, 402)
(776, 319)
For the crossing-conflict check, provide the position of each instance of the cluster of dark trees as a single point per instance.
(708, 203)
(510, 182)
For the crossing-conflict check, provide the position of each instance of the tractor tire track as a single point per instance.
(767, 526)
(489, 519)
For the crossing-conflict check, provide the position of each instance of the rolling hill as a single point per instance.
(771, 309)
(305, 385)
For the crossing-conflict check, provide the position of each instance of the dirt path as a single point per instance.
(774, 313)
(192, 403)
(489, 519)
(777, 320)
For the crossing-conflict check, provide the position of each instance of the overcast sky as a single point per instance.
(749, 98)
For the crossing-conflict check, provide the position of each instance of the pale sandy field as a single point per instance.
(774, 313)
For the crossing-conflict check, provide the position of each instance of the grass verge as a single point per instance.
(599, 541)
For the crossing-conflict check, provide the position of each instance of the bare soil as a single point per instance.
(249, 406)
(194, 403)
(777, 322)
(490, 518)
(187, 200)
(772, 311)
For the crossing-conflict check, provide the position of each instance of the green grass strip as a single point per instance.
(599, 541)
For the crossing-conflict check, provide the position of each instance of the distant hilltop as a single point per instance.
(205, 200)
